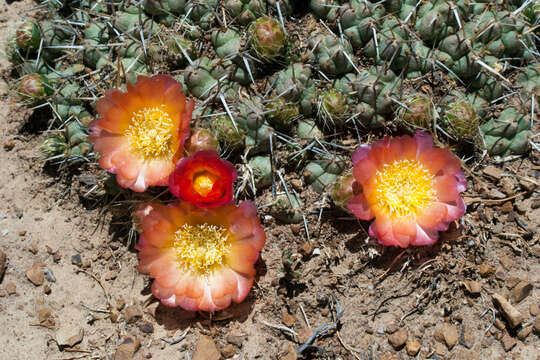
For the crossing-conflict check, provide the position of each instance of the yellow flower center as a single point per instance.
(404, 188)
(203, 183)
(151, 133)
(201, 248)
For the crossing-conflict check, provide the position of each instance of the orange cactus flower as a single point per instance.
(411, 189)
(200, 259)
(140, 133)
(203, 179)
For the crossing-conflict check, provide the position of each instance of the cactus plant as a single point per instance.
(419, 111)
(245, 11)
(321, 174)
(332, 55)
(231, 137)
(287, 208)
(227, 43)
(461, 120)
(507, 134)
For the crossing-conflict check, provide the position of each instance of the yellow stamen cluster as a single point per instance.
(203, 183)
(404, 188)
(201, 248)
(151, 133)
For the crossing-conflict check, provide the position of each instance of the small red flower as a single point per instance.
(203, 179)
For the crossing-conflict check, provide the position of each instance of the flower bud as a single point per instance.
(34, 87)
(201, 139)
(345, 188)
(28, 36)
(267, 38)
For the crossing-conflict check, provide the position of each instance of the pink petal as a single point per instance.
(425, 237)
(359, 206)
(360, 153)
(446, 187)
(424, 142)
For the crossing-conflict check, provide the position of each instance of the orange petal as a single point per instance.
(446, 187)
(164, 264)
(161, 292)
(147, 256)
(239, 264)
(425, 236)
(242, 257)
(423, 141)
(187, 303)
(158, 171)
(222, 282)
(440, 161)
(169, 277)
(403, 147)
(173, 96)
(244, 284)
(455, 209)
(404, 231)
(432, 216)
(191, 285)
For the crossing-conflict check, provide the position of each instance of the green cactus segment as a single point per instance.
(326, 9)
(202, 77)
(165, 7)
(202, 13)
(530, 80)
(95, 53)
(333, 108)
(436, 20)
(179, 49)
(358, 19)
(267, 38)
(282, 114)
(307, 129)
(287, 208)
(230, 138)
(321, 174)
(245, 11)
(508, 134)
(70, 144)
(291, 82)
(419, 111)
(262, 171)
(130, 21)
(333, 56)
(226, 43)
(374, 90)
(251, 119)
(461, 120)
